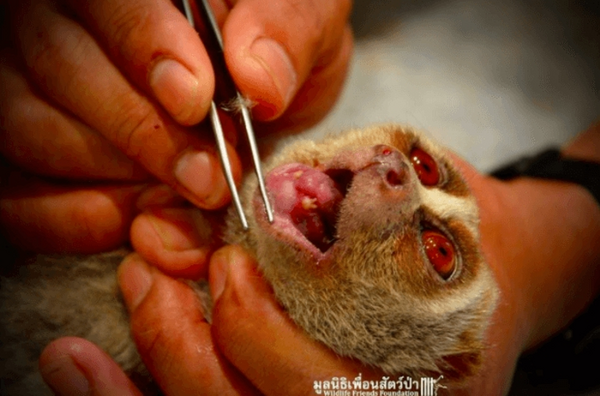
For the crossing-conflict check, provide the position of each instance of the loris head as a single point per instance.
(374, 250)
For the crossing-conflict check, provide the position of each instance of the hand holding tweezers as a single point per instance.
(201, 17)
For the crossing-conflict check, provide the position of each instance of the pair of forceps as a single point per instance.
(200, 16)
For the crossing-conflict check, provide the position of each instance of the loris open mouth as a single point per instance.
(306, 203)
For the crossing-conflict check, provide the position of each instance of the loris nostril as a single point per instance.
(396, 177)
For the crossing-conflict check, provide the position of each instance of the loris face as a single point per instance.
(374, 250)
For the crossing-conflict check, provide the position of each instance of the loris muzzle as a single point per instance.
(374, 251)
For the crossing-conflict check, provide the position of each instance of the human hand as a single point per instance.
(252, 345)
(537, 236)
(180, 348)
(185, 363)
(102, 91)
(246, 318)
(256, 337)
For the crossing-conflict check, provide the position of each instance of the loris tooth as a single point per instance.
(297, 174)
(309, 203)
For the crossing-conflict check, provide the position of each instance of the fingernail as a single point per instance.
(219, 271)
(63, 376)
(177, 90)
(135, 279)
(276, 62)
(176, 228)
(200, 173)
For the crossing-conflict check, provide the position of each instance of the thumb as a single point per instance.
(257, 336)
(271, 47)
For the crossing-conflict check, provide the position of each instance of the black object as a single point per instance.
(570, 361)
(550, 164)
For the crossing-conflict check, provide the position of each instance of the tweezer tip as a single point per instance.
(245, 226)
(255, 157)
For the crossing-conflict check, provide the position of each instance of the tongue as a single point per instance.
(307, 199)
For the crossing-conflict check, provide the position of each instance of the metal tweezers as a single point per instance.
(203, 21)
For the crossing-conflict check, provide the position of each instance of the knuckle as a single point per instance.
(84, 216)
(44, 54)
(147, 329)
(132, 126)
(127, 23)
(14, 117)
(322, 23)
(336, 17)
(99, 220)
(25, 116)
(57, 57)
(150, 339)
(17, 122)
(308, 15)
(48, 53)
(230, 309)
(155, 336)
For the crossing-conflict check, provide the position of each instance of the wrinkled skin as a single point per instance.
(102, 100)
(246, 315)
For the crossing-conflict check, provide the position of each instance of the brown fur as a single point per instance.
(373, 297)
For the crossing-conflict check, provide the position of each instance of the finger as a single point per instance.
(158, 49)
(45, 140)
(176, 240)
(172, 336)
(38, 216)
(73, 70)
(318, 94)
(271, 47)
(74, 366)
(159, 195)
(248, 323)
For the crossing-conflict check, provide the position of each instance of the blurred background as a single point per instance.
(493, 80)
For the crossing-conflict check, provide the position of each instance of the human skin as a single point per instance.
(99, 96)
(539, 237)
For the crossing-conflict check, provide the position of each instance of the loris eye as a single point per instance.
(425, 166)
(440, 252)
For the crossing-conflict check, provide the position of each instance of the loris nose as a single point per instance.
(391, 166)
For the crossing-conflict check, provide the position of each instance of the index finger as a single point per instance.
(73, 69)
(158, 49)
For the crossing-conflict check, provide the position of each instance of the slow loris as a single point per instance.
(374, 251)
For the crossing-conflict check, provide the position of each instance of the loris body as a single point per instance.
(374, 251)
